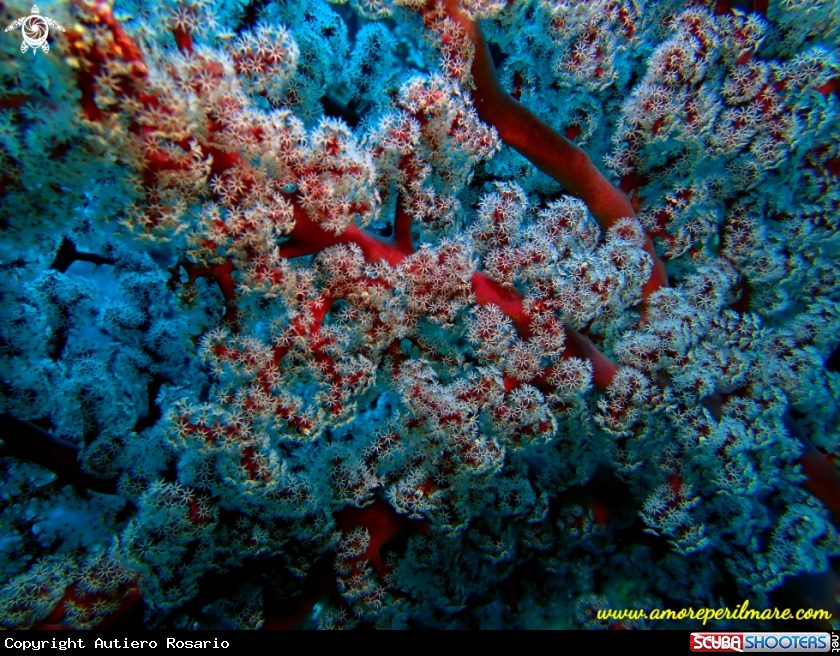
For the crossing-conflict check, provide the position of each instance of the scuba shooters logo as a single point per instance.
(793, 641)
(35, 29)
(717, 642)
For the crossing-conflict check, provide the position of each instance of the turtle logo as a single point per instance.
(35, 30)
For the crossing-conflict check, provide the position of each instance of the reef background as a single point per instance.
(408, 314)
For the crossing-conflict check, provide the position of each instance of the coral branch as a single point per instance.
(27, 442)
(402, 227)
(67, 254)
(549, 151)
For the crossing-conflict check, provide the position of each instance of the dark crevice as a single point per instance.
(153, 413)
(250, 15)
(26, 441)
(833, 361)
(336, 109)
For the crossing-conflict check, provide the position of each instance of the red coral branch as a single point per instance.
(383, 524)
(549, 151)
(122, 47)
(222, 274)
(518, 127)
(823, 477)
(402, 227)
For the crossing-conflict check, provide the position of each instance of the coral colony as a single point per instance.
(418, 313)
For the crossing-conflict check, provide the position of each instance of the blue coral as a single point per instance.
(203, 410)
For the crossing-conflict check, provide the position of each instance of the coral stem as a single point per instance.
(549, 151)
(26, 441)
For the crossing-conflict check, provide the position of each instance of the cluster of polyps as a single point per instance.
(318, 187)
(354, 322)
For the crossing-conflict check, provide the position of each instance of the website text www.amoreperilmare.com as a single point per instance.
(741, 612)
